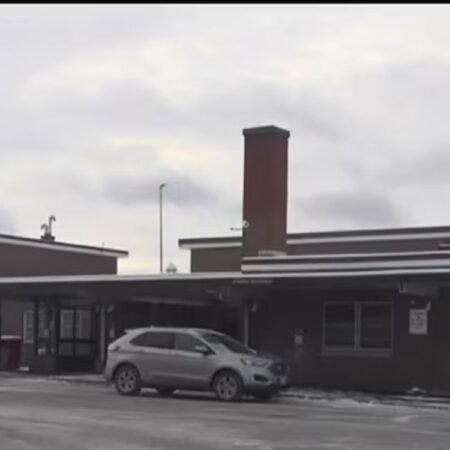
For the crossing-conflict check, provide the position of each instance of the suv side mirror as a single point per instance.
(202, 349)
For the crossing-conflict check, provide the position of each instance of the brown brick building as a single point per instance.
(25, 257)
(365, 309)
(361, 309)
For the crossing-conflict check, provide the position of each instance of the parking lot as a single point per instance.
(36, 413)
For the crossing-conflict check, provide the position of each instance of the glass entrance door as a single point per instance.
(76, 338)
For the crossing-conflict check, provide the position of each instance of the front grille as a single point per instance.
(279, 368)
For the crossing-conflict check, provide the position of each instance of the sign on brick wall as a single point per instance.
(418, 321)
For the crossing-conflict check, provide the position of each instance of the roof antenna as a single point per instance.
(245, 225)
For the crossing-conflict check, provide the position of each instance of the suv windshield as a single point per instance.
(222, 340)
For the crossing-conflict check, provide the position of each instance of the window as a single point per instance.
(376, 326)
(221, 341)
(66, 325)
(358, 326)
(154, 339)
(340, 325)
(82, 328)
(83, 324)
(66, 349)
(186, 342)
(28, 325)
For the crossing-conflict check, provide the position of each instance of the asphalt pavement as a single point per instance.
(40, 414)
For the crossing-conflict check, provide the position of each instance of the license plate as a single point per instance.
(282, 381)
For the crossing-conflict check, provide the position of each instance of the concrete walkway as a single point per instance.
(418, 401)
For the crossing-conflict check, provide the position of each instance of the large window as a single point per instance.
(76, 334)
(340, 325)
(358, 326)
(221, 341)
(186, 342)
(80, 328)
(28, 325)
(154, 339)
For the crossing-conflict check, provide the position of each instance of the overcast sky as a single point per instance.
(99, 104)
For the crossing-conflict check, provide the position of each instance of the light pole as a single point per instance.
(161, 187)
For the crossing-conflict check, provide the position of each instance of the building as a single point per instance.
(363, 309)
(25, 257)
(360, 309)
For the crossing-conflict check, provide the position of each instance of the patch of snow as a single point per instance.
(416, 391)
(405, 419)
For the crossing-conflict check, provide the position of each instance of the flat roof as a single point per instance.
(266, 129)
(235, 277)
(321, 237)
(203, 289)
(62, 246)
(352, 263)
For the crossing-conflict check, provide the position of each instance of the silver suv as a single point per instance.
(192, 359)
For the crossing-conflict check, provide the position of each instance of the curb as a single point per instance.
(429, 403)
(78, 380)
(413, 402)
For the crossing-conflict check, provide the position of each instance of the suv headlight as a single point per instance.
(254, 362)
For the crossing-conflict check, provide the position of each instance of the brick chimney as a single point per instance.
(265, 189)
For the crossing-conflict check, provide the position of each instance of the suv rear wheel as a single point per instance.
(127, 380)
(227, 386)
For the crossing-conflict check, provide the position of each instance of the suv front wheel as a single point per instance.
(127, 380)
(227, 386)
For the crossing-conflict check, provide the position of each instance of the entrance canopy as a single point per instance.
(205, 287)
(74, 317)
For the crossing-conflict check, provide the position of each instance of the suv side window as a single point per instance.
(186, 342)
(154, 339)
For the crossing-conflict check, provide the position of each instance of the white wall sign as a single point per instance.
(298, 337)
(418, 321)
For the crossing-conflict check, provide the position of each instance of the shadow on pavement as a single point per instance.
(203, 397)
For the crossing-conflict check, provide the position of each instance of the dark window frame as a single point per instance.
(72, 341)
(355, 338)
(360, 318)
(357, 349)
(28, 325)
(145, 333)
(180, 333)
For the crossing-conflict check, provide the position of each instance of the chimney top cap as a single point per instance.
(268, 129)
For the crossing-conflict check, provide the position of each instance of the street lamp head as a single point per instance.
(163, 185)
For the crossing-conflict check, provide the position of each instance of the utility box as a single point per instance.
(10, 352)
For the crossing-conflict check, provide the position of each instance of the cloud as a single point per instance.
(7, 221)
(266, 103)
(100, 105)
(181, 190)
(354, 209)
(426, 170)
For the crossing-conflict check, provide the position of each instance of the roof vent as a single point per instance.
(171, 268)
(47, 236)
